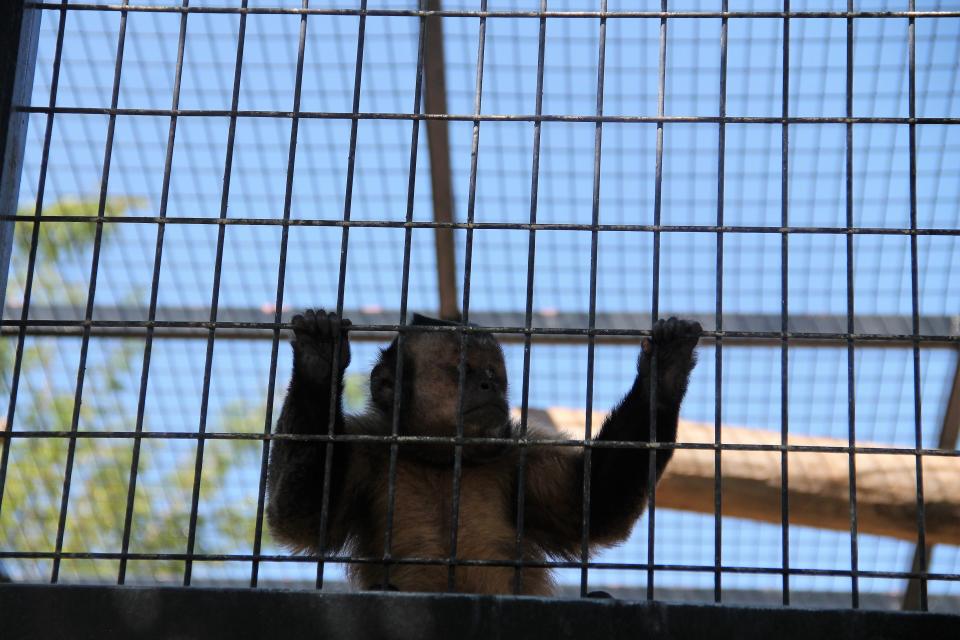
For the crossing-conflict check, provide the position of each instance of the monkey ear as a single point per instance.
(426, 321)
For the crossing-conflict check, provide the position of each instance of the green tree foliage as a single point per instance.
(30, 508)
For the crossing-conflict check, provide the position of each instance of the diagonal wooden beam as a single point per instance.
(818, 480)
(438, 139)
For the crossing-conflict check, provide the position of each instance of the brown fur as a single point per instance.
(422, 518)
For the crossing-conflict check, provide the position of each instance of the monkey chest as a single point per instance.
(428, 509)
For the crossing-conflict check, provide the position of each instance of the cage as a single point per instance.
(182, 177)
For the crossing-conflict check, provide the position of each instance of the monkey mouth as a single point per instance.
(491, 408)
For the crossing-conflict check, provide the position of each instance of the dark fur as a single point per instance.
(424, 481)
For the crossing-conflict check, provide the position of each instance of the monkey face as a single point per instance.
(432, 401)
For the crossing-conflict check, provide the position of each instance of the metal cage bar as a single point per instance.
(278, 304)
(785, 307)
(915, 306)
(528, 313)
(782, 330)
(655, 301)
(851, 354)
(464, 13)
(215, 299)
(154, 293)
(341, 288)
(718, 353)
(592, 305)
(486, 117)
(91, 294)
(16, 86)
(465, 304)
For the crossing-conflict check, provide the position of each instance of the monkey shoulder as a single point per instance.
(545, 445)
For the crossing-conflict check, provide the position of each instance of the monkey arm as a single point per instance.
(619, 477)
(296, 474)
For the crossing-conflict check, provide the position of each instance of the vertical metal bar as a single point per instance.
(785, 309)
(851, 378)
(592, 314)
(467, 268)
(341, 288)
(19, 35)
(154, 291)
(398, 390)
(214, 300)
(915, 305)
(528, 313)
(91, 294)
(947, 440)
(718, 363)
(35, 231)
(655, 305)
(278, 303)
(404, 291)
(438, 141)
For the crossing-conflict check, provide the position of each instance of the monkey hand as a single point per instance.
(672, 343)
(315, 335)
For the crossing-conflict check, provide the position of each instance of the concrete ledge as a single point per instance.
(50, 612)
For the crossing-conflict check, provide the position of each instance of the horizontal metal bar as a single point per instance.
(463, 13)
(482, 117)
(515, 226)
(611, 327)
(464, 441)
(466, 562)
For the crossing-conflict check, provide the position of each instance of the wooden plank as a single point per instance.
(817, 484)
(438, 139)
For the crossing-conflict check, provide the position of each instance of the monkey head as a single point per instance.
(430, 400)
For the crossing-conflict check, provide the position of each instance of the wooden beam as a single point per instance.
(818, 481)
(438, 139)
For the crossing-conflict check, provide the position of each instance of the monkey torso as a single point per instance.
(399, 512)
(422, 524)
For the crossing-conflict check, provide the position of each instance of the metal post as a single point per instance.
(19, 33)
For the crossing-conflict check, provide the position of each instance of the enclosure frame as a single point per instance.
(19, 33)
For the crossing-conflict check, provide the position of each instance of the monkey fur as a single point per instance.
(357, 519)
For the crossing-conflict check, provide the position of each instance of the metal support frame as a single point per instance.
(19, 34)
(248, 323)
(345, 615)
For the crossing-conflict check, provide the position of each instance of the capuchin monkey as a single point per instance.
(553, 483)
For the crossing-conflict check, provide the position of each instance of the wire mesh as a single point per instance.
(263, 157)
